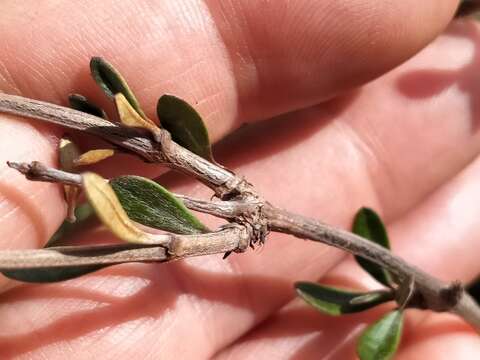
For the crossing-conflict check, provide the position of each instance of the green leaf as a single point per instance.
(111, 212)
(148, 203)
(81, 103)
(83, 214)
(54, 274)
(368, 224)
(111, 82)
(380, 340)
(185, 125)
(334, 301)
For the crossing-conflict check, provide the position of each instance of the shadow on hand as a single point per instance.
(426, 83)
(160, 287)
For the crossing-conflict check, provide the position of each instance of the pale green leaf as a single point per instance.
(148, 203)
(381, 339)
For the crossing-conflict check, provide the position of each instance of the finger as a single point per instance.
(439, 231)
(221, 56)
(224, 56)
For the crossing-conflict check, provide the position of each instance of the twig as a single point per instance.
(254, 216)
(232, 238)
(36, 171)
(168, 153)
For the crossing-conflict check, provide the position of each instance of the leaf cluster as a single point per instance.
(380, 340)
(126, 201)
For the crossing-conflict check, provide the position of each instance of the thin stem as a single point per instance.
(36, 171)
(223, 209)
(233, 238)
(169, 153)
(435, 294)
(254, 216)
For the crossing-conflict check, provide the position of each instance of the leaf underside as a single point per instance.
(335, 301)
(185, 125)
(148, 203)
(381, 339)
(368, 224)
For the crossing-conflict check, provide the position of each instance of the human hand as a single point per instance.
(405, 145)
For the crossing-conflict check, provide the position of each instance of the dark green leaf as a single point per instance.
(467, 7)
(380, 340)
(46, 275)
(83, 213)
(111, 82)
(81, 103)
(334, 301)
(368, 224)
(148, 203)
(185, 125)
(474, 289)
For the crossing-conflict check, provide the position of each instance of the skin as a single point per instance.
(406, 144)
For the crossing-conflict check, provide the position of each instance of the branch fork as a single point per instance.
(251, 217)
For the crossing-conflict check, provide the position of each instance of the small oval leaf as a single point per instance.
(368, 224)
(81, 103)
(111, 82)
(129, 117)
(381, 339)
(93, 156)
(185, 125)
(48, 275)
(148, 203)
(109, 210)
(334, 301)
(68, 153)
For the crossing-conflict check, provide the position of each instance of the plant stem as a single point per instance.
(254, 217)
(232, 238)
(168, 153)
(435, 295)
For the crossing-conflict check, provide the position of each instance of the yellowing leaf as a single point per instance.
(93, 156)
(109, 210)
(130, 117)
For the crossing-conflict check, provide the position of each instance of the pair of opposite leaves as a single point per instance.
(381, 339)
(130, 197)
